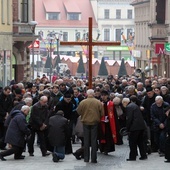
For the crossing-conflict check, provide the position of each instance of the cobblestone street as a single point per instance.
(113, 161)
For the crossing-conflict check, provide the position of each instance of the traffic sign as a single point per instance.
(36, 44)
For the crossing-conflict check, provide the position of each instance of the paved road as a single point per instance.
(113, 161)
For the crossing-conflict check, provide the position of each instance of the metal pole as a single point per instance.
(50, 59)
(5, 70)
(32, 59)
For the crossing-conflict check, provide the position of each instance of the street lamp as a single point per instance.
(51, 37)
(33, 24)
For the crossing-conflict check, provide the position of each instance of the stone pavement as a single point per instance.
(113, 161)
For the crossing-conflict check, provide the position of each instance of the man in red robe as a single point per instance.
(108, 130)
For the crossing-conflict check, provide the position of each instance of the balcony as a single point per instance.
(24, 31)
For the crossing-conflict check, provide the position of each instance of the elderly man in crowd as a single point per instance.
(38, 122)
(16, 133)
(91, 111)
(159, 123)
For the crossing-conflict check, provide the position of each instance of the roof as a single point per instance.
(63, 7)
(71, 6)
(138, 2)
(110, 62)
(50, 7)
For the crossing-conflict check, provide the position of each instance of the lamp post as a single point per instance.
(51, 37)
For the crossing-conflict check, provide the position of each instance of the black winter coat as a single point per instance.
(39, 115)
(5, 106)
(67, 108)
(58, 130)
(17, 129)
(134, 118)
(158, 115)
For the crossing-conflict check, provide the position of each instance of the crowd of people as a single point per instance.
(66, 110)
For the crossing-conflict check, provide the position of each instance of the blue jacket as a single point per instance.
(17, 129)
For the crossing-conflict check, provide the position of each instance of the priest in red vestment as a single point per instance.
(108, 129)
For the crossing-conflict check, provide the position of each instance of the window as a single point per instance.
(106, 14)
(160, 11)
(73, 16)
(24, 11)
(53, 16)
(129, 14)
(118, 14)
(118, 34)
(65, 36)
(106, 34)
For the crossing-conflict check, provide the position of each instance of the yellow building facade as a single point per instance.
(6, 38)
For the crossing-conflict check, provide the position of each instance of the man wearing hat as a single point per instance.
(145, 107)
(66, 106)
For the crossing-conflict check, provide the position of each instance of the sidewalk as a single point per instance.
(114, 161)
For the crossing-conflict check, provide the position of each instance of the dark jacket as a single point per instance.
(58, 130)
(17, 129)
(134, 118)
(158, 115)
(17, 107)
(67, 108)
(5, 106)
(147, 103)
(39, 115)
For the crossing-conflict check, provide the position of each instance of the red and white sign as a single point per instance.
(159, 49)
(36, 44)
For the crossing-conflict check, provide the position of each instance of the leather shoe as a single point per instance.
(130, 159)
(167, 161)
(161, 154)
(2, 158)
(94, 161)
(21, 157)
(46, 154)
(31, 154)
(143, 158)
(55, 158)
(77, 157)
(86, 161)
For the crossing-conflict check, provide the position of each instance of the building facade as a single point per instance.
(115, 20)
(23, 35)
(152, 30)
(5, 41)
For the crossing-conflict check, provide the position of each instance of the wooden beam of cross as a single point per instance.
(90, 44)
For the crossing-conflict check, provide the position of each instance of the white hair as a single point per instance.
(42, 98)
(116, 100)
(125, 100)
(90, 92)
(25, 107)
(158, 98)
(20, 85)
(164, 88)
(28, 100)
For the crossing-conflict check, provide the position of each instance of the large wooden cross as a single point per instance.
(90, 44)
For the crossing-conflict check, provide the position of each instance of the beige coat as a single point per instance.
(91, 110)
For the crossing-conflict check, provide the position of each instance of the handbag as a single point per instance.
(79, 127)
